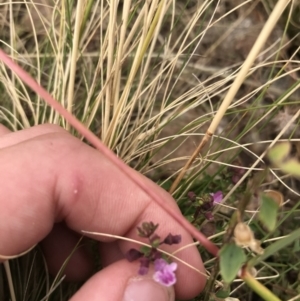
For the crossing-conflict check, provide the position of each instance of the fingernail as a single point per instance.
(146, 289)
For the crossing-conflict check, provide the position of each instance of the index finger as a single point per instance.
(54, 177)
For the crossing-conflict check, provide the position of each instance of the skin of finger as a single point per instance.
(61, 241)
(4, 130)
(70, 181)
(112, 252)
(64, 247)
(111, 283)
(11, 138)
(55, 249)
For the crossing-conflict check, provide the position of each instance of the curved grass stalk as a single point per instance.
(260, 41)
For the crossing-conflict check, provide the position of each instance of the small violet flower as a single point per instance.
(217, 197)
(164, 272)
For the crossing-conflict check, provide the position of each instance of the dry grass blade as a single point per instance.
(10, 282)
(76, 35)
(269, 25)
(143, 46)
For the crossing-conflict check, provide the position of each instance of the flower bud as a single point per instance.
(144, 267)
(147, 229)
(155, 241)
(133, 254)
(207, 205)
(209, 216)
(192, 196)
(172, 239)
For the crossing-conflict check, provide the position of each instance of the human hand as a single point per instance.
(53, 186)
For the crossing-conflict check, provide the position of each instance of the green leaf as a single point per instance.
(223, 293)
(268, 212)
(291, 166)
(275, 247)
(296, 247)
(279, 152)
(279, 156)
(145, 250)
(232, 258)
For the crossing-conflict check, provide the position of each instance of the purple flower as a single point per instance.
(164, 272)
(217, 196)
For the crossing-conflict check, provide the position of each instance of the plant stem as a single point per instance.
(257, 287)
(9, 280)
(142, 48)
(74, 57)
(260, 41)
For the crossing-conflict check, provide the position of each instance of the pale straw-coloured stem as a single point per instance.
(9, 280)
(110, 58)
(12, 39)
(74, 56)
(260, 41)
(108, 139)
(257, 287)
(116, 84)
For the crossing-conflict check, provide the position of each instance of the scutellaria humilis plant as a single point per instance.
(164, 271)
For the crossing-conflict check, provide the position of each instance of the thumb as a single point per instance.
(120, 282)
